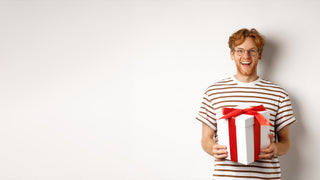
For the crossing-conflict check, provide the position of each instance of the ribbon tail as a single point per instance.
(262, 120)
(257, 140)
(233, 140)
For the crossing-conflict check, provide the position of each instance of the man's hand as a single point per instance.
(219, 152)
(269, 152)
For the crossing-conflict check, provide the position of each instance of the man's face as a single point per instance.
(246, 57)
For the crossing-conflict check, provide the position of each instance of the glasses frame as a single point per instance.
(252, 52)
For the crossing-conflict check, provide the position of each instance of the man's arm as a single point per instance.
(210, 146)
(279, 148)
(283, 145)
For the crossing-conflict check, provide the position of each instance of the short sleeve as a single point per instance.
(285, 114)
(206, 113)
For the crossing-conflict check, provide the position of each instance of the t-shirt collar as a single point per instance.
(245, 84)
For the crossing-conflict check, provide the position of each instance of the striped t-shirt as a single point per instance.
(230, 92)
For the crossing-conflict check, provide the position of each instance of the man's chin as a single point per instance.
(246, 73)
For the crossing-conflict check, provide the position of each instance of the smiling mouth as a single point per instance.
(246, 63)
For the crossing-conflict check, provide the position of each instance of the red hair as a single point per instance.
(239, 37)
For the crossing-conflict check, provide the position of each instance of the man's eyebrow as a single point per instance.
(248, 49)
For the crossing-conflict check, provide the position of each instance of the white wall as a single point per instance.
(109, 89)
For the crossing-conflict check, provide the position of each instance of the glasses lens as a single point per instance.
(240, 52)
(251, 52)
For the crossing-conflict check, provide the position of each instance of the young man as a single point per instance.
(246, 88)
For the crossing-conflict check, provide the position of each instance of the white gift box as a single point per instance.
(244, 135)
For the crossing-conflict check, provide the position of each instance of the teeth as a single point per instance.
(245, 63)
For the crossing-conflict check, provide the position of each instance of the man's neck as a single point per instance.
(246, 79)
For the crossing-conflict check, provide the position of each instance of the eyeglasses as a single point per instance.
(251, 52)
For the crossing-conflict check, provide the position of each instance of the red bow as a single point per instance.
(233, 112)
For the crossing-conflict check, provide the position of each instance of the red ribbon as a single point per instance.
(259, 120)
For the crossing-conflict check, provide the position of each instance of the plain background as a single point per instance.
(109, 89)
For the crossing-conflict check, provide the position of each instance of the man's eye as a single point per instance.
(240, 51)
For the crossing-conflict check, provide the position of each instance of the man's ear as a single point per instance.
(232, 55)
(260, 55)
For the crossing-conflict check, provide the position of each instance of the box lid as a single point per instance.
(244, 120)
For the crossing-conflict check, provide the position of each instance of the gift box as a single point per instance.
(244, 131)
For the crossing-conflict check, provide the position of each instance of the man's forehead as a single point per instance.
(248, 43)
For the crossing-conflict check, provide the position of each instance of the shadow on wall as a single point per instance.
(290, 163)
(269, 57)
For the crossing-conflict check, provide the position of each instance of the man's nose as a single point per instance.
(246, 54)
